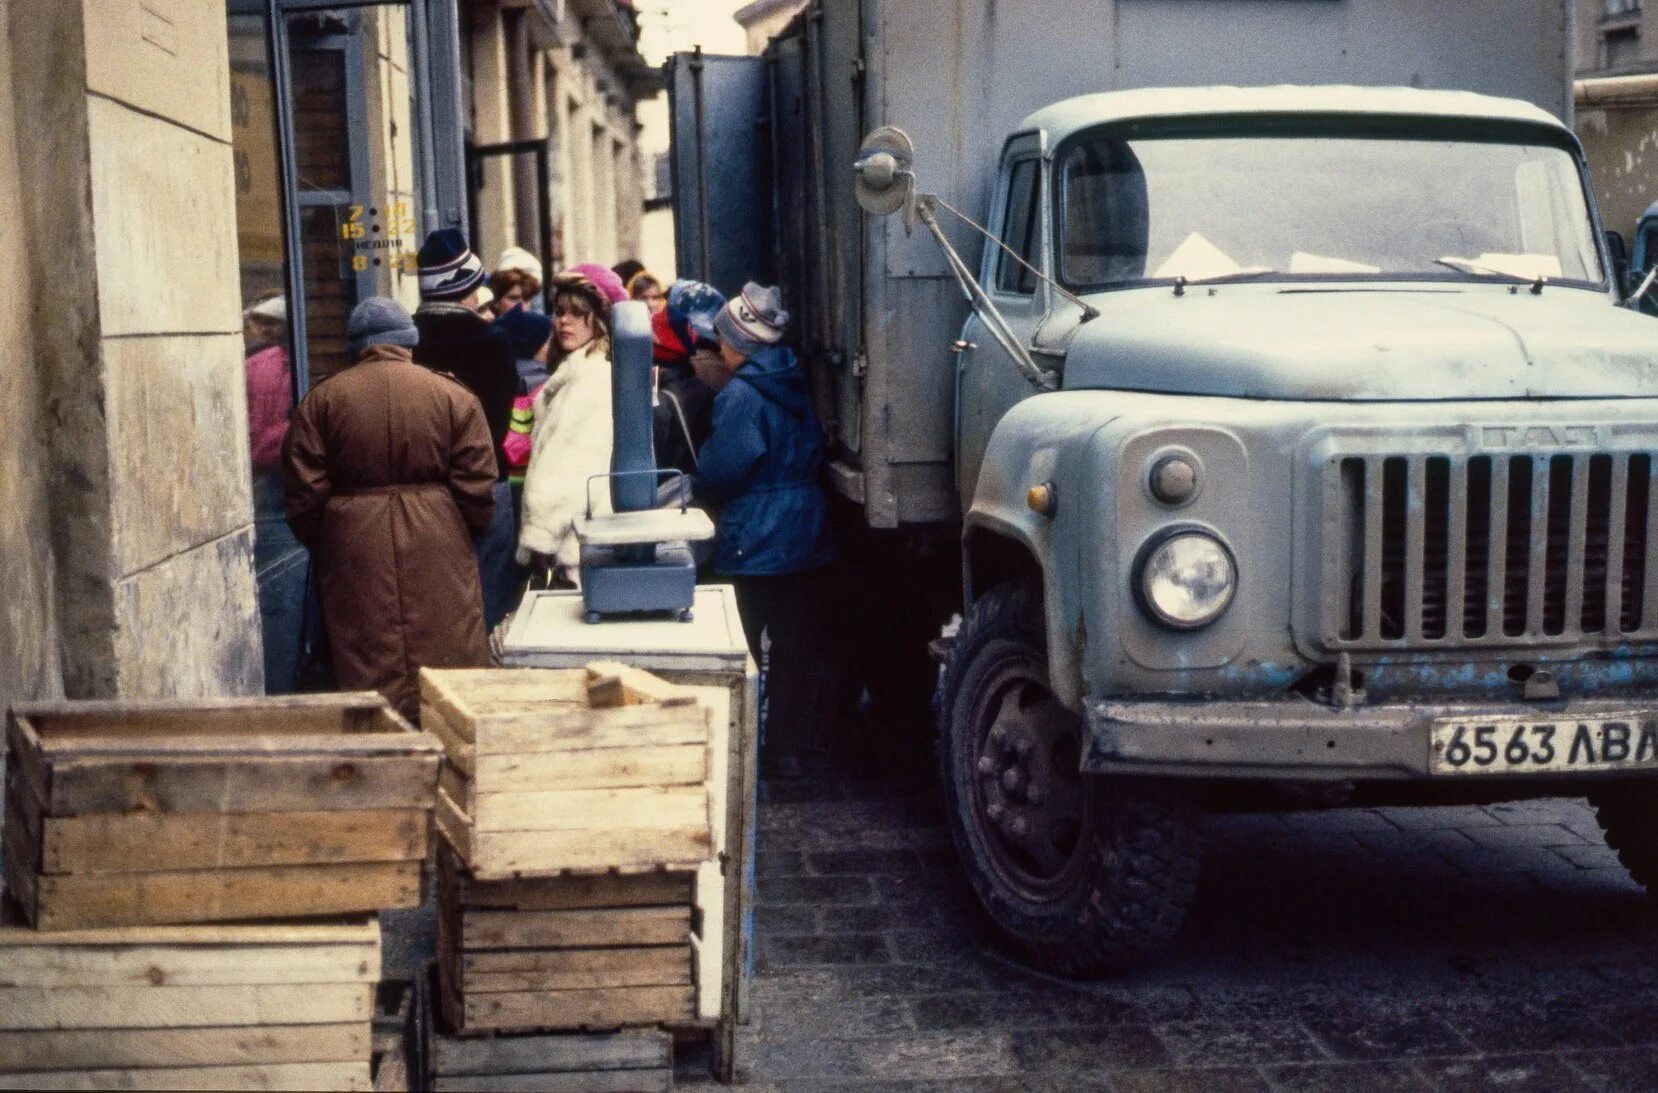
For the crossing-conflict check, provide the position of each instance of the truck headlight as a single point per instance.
(1186, 579)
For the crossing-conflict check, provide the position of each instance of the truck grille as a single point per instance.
(1430, 551)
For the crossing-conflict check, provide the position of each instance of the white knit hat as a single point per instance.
(275, 309)
(519, 259)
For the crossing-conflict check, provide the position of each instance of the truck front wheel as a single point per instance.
(1628, 814)
(1081, 875)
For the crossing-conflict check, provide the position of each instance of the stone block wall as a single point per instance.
(129, 201)
(28, 623)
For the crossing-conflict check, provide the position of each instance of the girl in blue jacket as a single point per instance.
(760, 464)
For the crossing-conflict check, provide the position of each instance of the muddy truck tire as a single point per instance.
(1081, 876)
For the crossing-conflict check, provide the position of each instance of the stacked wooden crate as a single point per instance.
(188, 1007)
(571, 952)
(129, 815)
(627, 1061)
(555, 771)
(578, 806)
(709, 657)
(129, 828)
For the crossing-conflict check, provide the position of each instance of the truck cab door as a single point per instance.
(988, 384)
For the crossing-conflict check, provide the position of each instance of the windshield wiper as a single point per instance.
(1182, 281)
(1474, 269)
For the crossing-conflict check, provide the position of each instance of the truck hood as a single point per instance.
(1433, 342)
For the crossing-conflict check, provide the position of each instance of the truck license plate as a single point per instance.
(1513, 745)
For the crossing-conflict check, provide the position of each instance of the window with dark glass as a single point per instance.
(1620, 48)
(1020, 230)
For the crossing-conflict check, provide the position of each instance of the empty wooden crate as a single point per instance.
(548, 771)
(188, 1007)
(137, 814)
(638, 1060)
(591, 951)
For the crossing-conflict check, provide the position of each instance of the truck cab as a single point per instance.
(1339, 469)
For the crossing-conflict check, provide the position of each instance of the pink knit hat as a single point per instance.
(604, 279)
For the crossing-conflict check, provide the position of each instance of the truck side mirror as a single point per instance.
(1618, 251)
(885, 179)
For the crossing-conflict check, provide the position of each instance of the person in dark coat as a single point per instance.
(388, 477)
(760, 465)
(456, 339)
(682, 331)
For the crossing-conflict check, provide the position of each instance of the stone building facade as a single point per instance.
(568, 75)
(1616, 38)
(1617, 105)
(762, 20)
(126, 552)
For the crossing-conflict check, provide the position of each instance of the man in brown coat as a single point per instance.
(389, 471)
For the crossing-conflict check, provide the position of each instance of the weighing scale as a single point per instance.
(636, 560)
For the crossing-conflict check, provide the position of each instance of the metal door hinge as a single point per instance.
(860, 366)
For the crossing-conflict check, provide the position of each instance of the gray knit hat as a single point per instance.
(380, 320)
(753, 320)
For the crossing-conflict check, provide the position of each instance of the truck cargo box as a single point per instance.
(769, 197)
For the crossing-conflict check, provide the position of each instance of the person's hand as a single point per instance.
(710, 369)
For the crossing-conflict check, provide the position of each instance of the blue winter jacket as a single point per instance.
(760, 463)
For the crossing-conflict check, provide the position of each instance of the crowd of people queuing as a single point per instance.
(442, 472)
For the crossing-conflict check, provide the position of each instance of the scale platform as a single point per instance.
(550, 630)
(619, 529)
(639, 563)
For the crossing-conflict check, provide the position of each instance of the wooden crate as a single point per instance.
(576, 952)
(188, 1007)
(630, 1060)
(589, 769)
(132, 814)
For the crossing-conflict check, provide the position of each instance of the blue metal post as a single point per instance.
(630, 407)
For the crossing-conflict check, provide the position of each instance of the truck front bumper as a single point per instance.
(1297, 739)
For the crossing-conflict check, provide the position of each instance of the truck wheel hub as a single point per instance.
(1030, 788)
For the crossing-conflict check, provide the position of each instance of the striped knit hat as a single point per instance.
(448, 269)
(753, 320)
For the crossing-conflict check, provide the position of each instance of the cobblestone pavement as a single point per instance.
(1497, 947)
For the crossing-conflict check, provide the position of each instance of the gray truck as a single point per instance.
(1288, 430)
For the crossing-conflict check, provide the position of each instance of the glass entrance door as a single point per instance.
(334, 192)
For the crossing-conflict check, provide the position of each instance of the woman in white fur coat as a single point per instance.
(571, 437)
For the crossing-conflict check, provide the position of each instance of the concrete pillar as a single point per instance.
(128, 199)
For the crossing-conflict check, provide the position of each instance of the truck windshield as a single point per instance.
(1141, 209)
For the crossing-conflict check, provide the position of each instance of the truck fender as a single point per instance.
(1043, 441)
